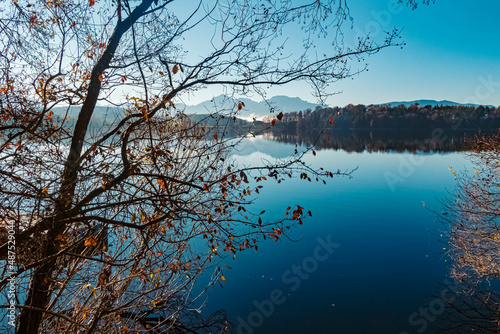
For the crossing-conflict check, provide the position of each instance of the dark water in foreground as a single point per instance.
(370, 260)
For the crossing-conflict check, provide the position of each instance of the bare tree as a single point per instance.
(114, 221)
(471, 217)
(473, 214)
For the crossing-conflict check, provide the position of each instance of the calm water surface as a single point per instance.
(384, 263)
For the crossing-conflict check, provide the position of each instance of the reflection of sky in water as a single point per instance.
(389, 263)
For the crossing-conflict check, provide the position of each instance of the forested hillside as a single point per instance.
(394, 117)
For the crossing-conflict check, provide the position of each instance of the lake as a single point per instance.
(371, 259)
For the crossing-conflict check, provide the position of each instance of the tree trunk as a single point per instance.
(39, 292)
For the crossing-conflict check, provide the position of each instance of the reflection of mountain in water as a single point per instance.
(250, 146)
(378, 140)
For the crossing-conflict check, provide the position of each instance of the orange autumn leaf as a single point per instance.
(91, 3)
(103, 278)
(273, 122)
(215, 136)
(45, 191)
(330, 120)
(175, 69)
(91, 241)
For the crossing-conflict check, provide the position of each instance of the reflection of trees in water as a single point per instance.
(473, 217)
(436, 140)
(470, 309)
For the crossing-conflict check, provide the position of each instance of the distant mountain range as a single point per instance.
(102, 115)
(423, 103)
(285, 104)
(252, 108)
(106, 115)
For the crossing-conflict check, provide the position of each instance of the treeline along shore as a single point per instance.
(356, 128)
(353, 128)
(386, 117)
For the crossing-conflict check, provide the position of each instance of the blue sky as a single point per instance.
(452, 53)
